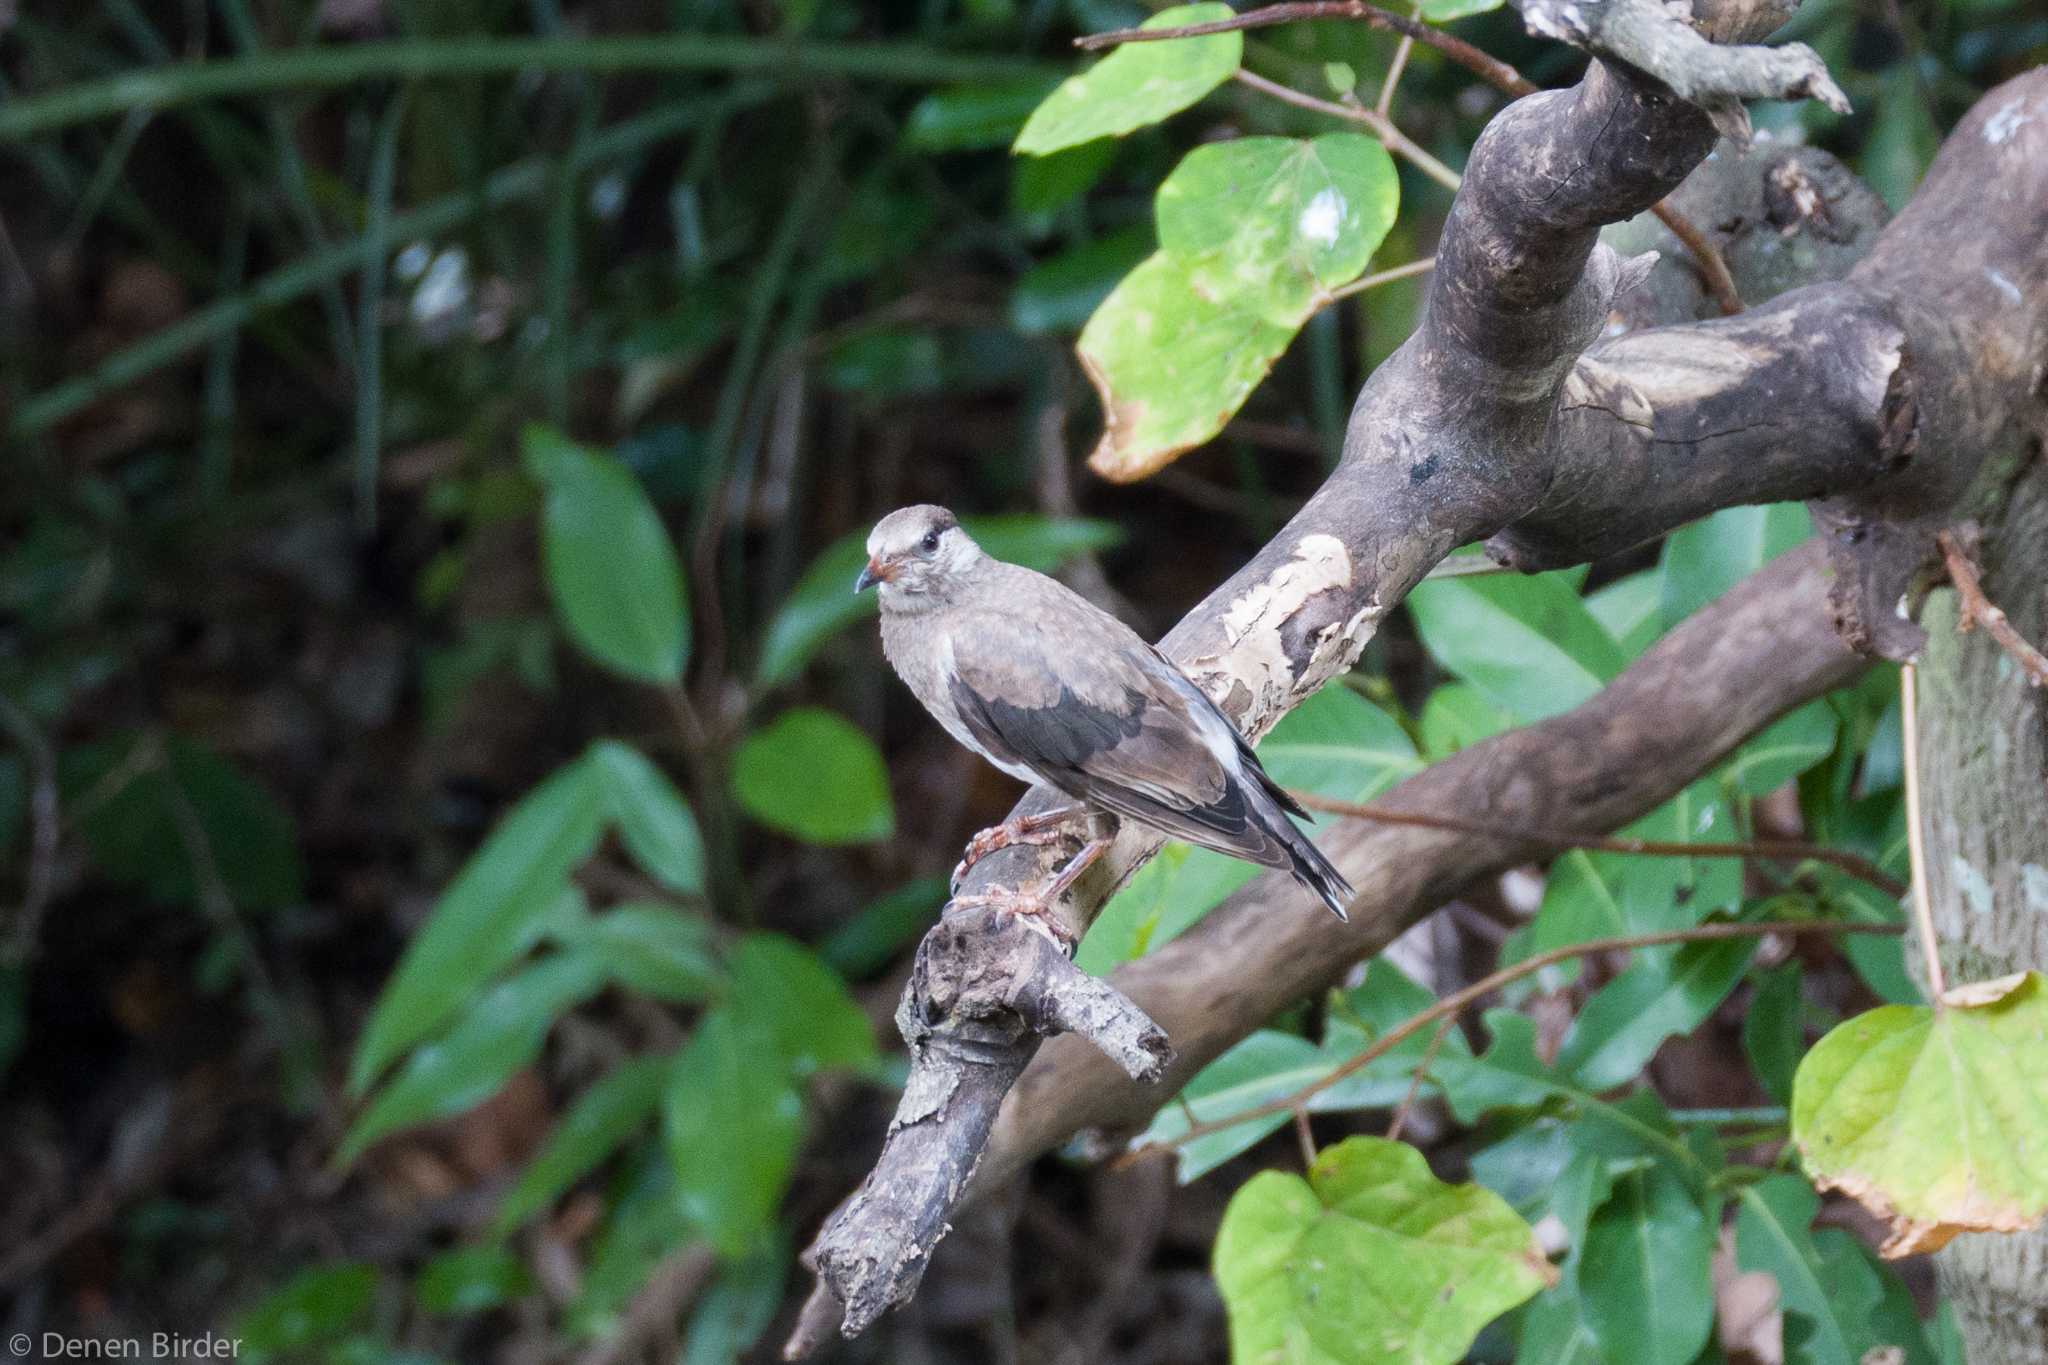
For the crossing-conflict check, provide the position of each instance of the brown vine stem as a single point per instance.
(1923, 907)
(1775, 850)
(1455, 1003)
(1381, 126)
(1495, 72)
(1979, 609)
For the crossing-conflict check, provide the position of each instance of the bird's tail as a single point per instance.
(1304, 860)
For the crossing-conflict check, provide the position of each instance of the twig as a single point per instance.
(1382, 127)
(1455, 1003)
(1385, 103)
(1436, 1042)
(1720, 284)
(1981, 610)
(1305, 1136)
(1787, 850)
(1380, 277)
(1923, 906)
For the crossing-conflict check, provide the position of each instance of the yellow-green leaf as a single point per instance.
(1138, 84)
(1934, 1118)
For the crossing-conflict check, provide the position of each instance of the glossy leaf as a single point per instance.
(1629, 610)
(1620, 1029)
(1443, 11)
(492, 913)
(1932, 1117)
(500, 1034)
(602, 1120)
(1159, 903)
(1645, 1273)
(1527, 643)
(1137, 84)
(471, 1280)
(1371, 1259)
(732, 1122)
(1457, 716)
(824, 603)
(653, 949)
(811, 774)
(611, 568)
(653, 819)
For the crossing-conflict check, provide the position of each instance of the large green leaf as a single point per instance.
(1784, 749)
(811, 774)
(1645, 1273)
(491, 1041)
(1933, 1117)
(824, 603)
(783, 993)
(493, 912)
(732, 1122)
(611, 568)
(1138, 84)
(654, 820)
(1371, 1259)
(1528, 644)
(736, 1309)
(971, 117)
(1707, 558)
(1158, 904)
(606, 1115)
(1629, 1018)
(653, 949)
(1254, 236)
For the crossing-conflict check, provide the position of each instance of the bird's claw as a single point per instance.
(1030, 908)
(1030, 829)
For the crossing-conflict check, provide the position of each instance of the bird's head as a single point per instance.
(917, 552)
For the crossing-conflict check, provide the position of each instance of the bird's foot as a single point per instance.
(1030, 908)
(1043, 828)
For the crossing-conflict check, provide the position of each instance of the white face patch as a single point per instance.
(1322, 219)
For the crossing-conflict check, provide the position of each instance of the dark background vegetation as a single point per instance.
(275, 612)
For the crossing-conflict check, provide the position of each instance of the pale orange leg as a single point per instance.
(1034, 907)
(1042, 828)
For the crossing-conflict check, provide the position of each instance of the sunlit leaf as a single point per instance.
(811, 774)
(1371, 1259)
(1137, 84)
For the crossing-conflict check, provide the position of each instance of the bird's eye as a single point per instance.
(930, 542)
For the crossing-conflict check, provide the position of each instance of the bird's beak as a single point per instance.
(869, 576)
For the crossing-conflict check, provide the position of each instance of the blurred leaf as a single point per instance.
(1645, 1273)
(604, 1117)
(811, 774)
(783, 993)
(13, 800)
(315, 1306)
(646, 1223)
(611, 568)
(148, 831)
(1137, 84)
(1826, 1284)
(1878, 959)
(1627, 1020)
(732, 1122)
(886, 362)
(1042, 184)
(1370, 1259)
(824, 602)
(13, 1014)
(1254, 234)
(471, 1280)
(1443, 11)
(1458, 716)
(1774, 1029)
(1160, 901)
(653, 949)
(1703, 560)
(1930, 1116)
(1784, 749)
(1628, 609)
(492, 913)
(736, 1309)
(864, 944)
(971, 117)
(500, 1034)
(1903, 139)
(654, 820)
(1059, 294)
(1554, 1332)
(1527, 643)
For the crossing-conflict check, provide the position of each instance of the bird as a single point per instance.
(1051, 689)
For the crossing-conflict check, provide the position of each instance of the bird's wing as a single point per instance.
(1072, 694)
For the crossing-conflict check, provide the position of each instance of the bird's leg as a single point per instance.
(1034, 907)
(1042, 828)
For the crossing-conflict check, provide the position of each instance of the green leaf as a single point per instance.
(611, 568)
(1554, 1332)
(1263, 1066)
(783, 993)
(1138, 84)
(1041, 184)
(606, 1115)
(1784, 749)
(654, 820)
(971, 117)
(1528, 644)
(1707, 558)
(1904, 138)
(865, 943)
(1371, 1259)
(493, 912)
(732, 1122)
(887, 362)
(471, 1280)
(653, 949)
(1628, 609)
(1774, 1029)
(1159, 903)
(736, 1309)
(645, 1223)
(823, 602)
(1827, 1285)
(1059, 294)
(1645, 1272)
(1254, 235)
(1458, 716)
(1443, 11)
(1629, 1018)
(315, 1306)
(812, 775)
(500, 1034)
(1932, 1117)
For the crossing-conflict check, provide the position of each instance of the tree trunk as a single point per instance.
(1984, 781)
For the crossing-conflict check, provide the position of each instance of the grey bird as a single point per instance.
(1049, 688)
